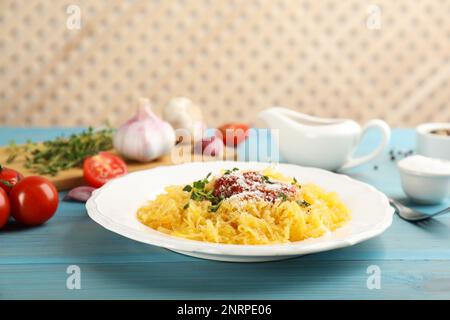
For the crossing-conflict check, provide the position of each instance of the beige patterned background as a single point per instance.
(358, 59)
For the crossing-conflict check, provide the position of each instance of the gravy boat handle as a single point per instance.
(383, 127)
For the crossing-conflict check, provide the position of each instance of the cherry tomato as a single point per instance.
(99, 169)
(34, 200)
(234, 133)
(4, 208)
(8, 178)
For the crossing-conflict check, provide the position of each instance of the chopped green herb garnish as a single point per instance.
(303, 203)
(197, 196)
(231, 171)
(295, 183)
(267, 180)
(200, 184)
(283, 196)
(186, 206)
(199, 193)
(214, 207)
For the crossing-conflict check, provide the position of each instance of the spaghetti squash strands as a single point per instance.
(245, 208)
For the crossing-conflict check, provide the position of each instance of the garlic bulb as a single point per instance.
(182, 113)
(145, 136)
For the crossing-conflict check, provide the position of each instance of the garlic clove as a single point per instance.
(80, 194)
(210, 146)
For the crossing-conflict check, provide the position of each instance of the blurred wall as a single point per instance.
(357, 59)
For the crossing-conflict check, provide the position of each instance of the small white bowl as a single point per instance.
(425, 187)
(433, 145)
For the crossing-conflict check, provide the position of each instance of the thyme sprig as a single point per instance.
(228, 171)
(199, 193)
(50, 157)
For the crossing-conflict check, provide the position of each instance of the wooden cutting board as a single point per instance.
(73, 177)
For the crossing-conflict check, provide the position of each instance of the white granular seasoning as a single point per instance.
(425, 165)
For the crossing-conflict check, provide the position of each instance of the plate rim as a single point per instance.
(284, 249)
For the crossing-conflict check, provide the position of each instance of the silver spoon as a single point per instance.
(413, 215)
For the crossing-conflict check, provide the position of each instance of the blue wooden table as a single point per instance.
(414, 259)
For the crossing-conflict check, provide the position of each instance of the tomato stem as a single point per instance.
(6, 183)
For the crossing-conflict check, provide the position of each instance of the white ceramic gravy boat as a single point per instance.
(320, 142)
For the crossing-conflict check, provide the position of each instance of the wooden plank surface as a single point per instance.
(414, 259)
(199, 279)
(82, 240)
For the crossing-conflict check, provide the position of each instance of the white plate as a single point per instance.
(114, 206)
